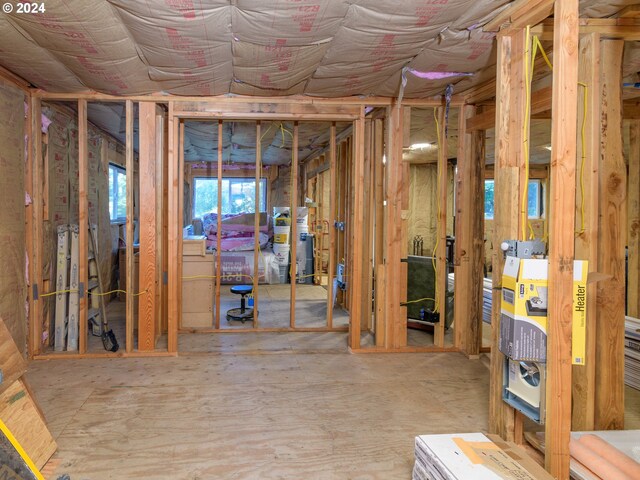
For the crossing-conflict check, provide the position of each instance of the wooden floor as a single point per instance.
(284, 415)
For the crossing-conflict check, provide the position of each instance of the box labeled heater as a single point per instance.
(523, 325)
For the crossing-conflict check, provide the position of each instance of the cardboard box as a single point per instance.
(523, 325)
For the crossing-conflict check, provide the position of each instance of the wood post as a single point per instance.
(561, 237)
(83, 224)
(131, 288)
(256, 225)
(469, 257)
(219, 226)
(175, 232)
(633, 236)
(378, 262)
(586, 227)
(35, 219)
(395, 314)
(355, 284)
(441, 236)
(147, 310)
(509, 192)
(609, 411)
(294, 224)
(333, 204)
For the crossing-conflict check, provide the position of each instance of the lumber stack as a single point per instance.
(472, 455)
(632, 352)
(18, 409)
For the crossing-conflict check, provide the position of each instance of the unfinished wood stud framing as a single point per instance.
(130, 261)
(83, 224)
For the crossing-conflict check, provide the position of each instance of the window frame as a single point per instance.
(113, 195)
(540, 213)
(263, 192)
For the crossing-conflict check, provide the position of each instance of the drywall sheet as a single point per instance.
(13, 291)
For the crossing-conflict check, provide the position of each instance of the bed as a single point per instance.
(237, 247)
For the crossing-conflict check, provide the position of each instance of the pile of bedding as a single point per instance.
(237, 233)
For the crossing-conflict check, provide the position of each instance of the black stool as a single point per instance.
(243, 313)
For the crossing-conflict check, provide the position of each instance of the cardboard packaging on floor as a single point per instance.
(523, 325)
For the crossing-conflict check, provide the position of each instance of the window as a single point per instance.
(535, 199)
(238, 195)
(117, 193)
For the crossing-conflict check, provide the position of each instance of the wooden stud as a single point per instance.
(609, 409)
(34, 214)
(561, 238)
(469, 257)
(294, 224)
(256, 224)
(173, 227)
(633, 236)
(219, 226)
(378, 187)
(395, 313)
(586, 239)
(509, 168)
(181, 139)
(83, 223)
(159, 159)
(130, 261)
(441, 219)
(333, 201)
(354, 282)
(148, 220)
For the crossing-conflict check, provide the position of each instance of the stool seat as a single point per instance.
(242, 289)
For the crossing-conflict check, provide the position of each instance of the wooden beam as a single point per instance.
(469, 257)
(219, 227)
(609, 411)
(294, 222)
(35, 217)
(627, 29)
(256, 224)
(586, 239)
(630, 11)
(633, 235)
(355, 283)
(520, 14)
(159, 159)
(175, 232)
(333, 205)
(220, 99)
(130, 261)
(540, 102)
(148, 273)
(378, 186)
(561, 238)
(83, 224)
(395, 314)
(441, 225)
(509, 168)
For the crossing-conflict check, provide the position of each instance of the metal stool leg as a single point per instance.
(242, 304)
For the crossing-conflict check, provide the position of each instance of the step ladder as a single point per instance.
(320, 228)
(97, 315)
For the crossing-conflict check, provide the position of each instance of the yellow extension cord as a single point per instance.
(531, 57)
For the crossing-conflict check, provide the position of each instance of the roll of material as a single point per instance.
(601, 467)
(626, 464)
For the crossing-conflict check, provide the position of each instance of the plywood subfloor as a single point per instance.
(280, 416)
